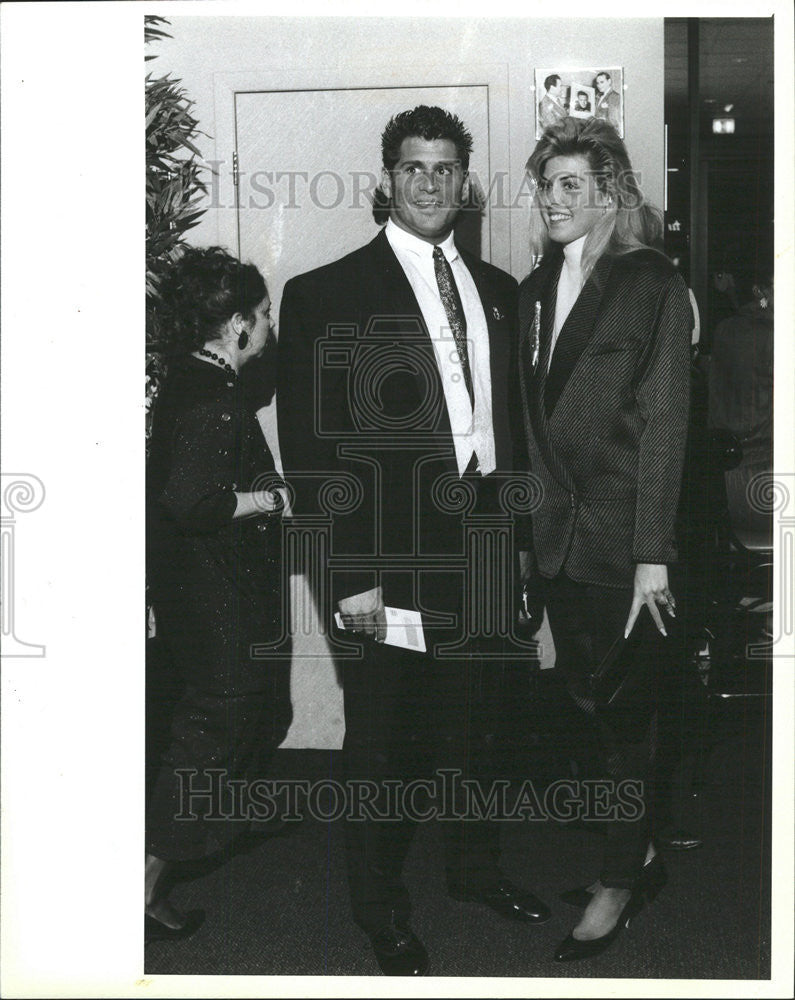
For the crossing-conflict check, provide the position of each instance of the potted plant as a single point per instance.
(174, 190)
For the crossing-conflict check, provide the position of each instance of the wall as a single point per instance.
(204, 46)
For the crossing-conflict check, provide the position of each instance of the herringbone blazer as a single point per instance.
(605, 428)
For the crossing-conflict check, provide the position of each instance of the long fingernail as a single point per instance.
(664, 632)
(626, 633)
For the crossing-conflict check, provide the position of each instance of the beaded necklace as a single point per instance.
(219, 360)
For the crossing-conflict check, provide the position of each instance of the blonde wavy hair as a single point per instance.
(628, 223)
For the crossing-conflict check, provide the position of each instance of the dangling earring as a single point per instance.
(242, 340)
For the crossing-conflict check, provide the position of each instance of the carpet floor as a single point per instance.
(277, 903)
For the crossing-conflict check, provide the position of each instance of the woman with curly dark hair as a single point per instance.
(605, 342)
(213, 562)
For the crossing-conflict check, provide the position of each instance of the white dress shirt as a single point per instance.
(569, 285)
(472, 432)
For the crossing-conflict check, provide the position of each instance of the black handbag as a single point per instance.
(621, 679)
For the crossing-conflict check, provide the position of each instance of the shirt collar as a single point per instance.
(573, 252)
(399, 239)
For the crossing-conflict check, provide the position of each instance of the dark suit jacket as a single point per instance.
(609, 108)
(606, 427)
(360, 396)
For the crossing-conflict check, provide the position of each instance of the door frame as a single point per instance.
(370, 76)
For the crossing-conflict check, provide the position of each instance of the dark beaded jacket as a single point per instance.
(215, 581)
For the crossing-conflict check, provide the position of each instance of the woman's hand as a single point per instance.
(651, 589)
(260, 502)
(532, 589)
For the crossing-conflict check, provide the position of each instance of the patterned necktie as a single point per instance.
(451, 301)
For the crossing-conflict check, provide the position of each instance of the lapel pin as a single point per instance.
(497, 314)
(536, 336)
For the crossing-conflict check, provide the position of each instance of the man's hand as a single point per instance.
(651, 589)
(365, 613)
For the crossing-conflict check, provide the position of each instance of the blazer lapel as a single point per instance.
(549, 296)
(575, 334)
(392, 288)
(397, 308)
(546, 295)
(500, 346)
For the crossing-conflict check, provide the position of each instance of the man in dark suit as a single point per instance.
(394, 367)
(608, 102)
(551, 108)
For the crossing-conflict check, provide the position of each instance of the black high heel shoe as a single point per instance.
(579, 897)
(155, 930)
(653, 878)
(571, 949)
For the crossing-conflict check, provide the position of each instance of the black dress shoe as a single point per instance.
(653, 878)
(155, 930)
(678, 840)
(571, 949)
(399, 951)
(509, 901)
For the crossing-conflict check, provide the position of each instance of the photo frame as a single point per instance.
(582, 101)
(558, 96)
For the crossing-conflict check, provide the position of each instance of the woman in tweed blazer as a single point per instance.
(604, 369)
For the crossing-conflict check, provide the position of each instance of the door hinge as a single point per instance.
(235, 171)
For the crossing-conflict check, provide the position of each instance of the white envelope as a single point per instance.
(403, 628)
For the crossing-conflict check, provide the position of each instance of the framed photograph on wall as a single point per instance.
(591, 92)
(581, 101)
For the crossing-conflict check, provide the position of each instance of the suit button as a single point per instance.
(226, 416)
(262, 527)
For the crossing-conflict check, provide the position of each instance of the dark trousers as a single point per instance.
(585, 620)
(407, 715)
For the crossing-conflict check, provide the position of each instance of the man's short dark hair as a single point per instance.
(427, 123)
(551, 81)
(582, 93)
